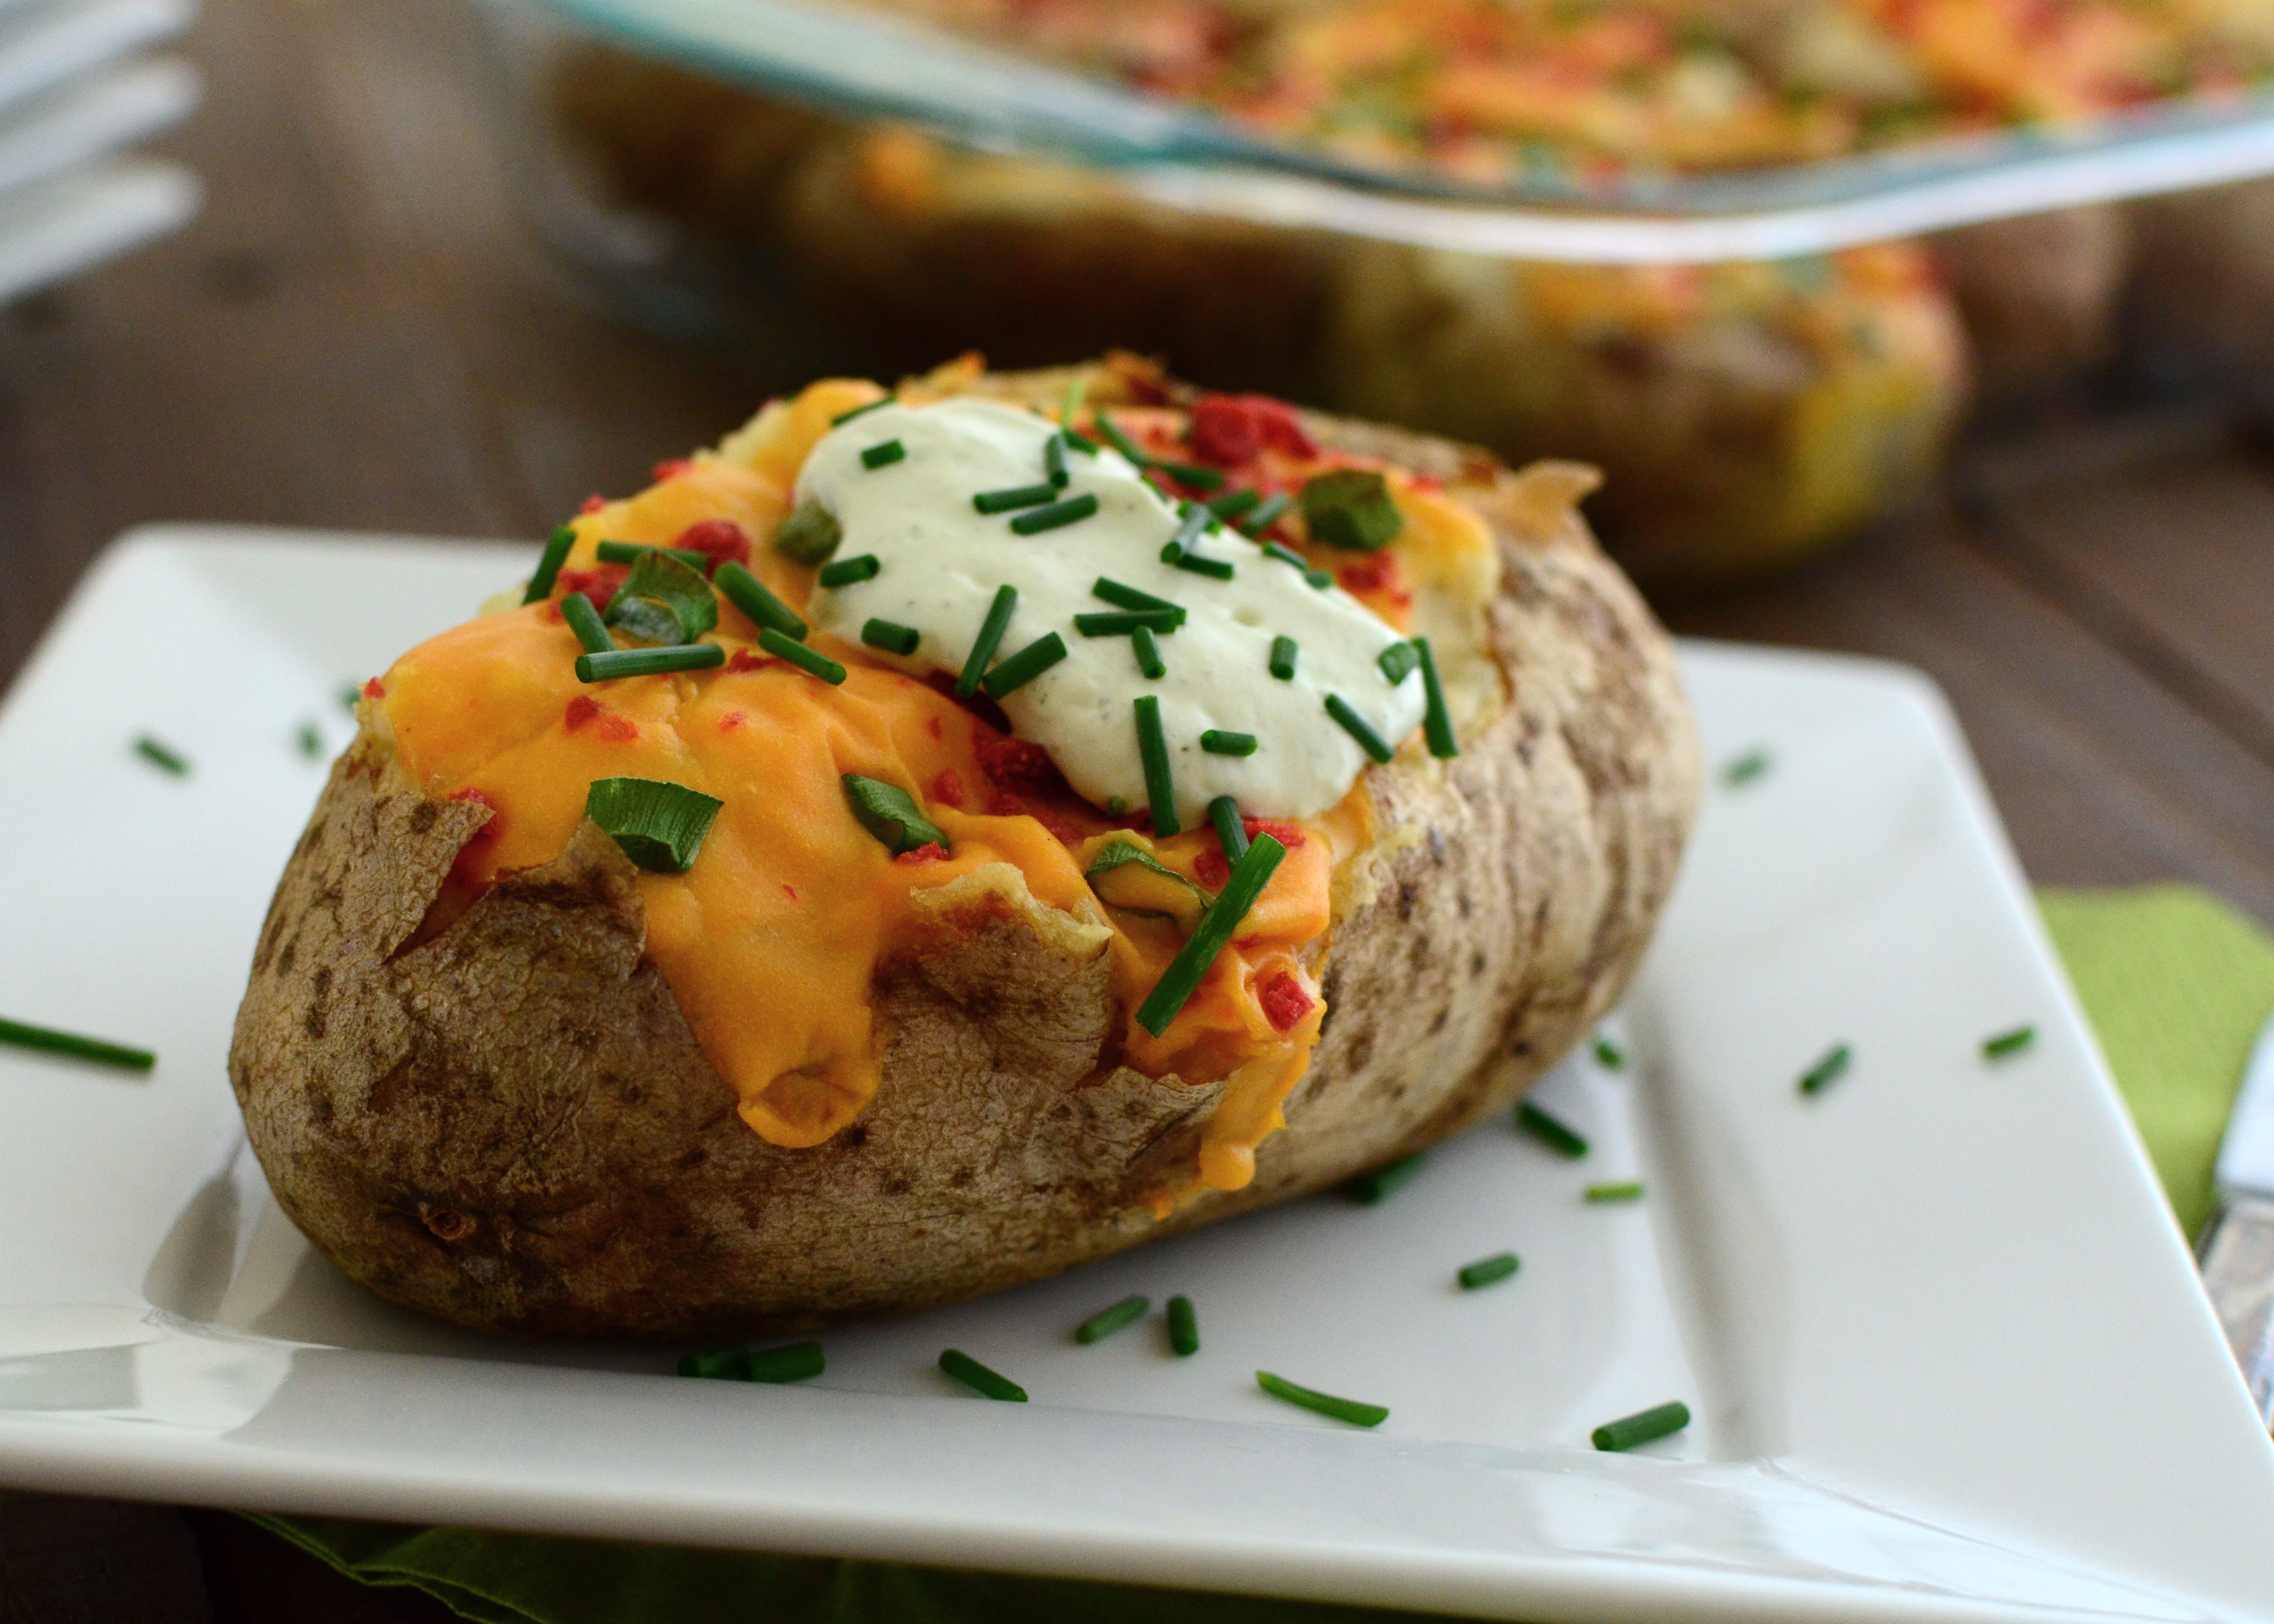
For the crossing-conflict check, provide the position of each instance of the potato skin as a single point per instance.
(507, 1122)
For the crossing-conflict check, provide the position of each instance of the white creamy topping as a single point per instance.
(942, 561)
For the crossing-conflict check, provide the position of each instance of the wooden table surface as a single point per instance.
(356, 334)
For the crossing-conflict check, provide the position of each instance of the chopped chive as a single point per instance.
(1220, 569)
(1643, 1428)
(1054, 464)
(1549, 1131)
(1399, 661)
(2008, 1042)
(548, 566)
(1217, 741)
(1608, 1055)
(1017, 670)
(1745, 769)
(1121, 623)
(351, 694)
(883, 456)
(757, 602)
(1324, 1404)
(1359, 728)
(1109, 432)
(1147, 651)
(1825, 1070)
(1191, 474)
(1231, 833)
(1249, 876)
(809, 535)
(1070, 407)
(792, 1362)
(1286, 555)
(659, 825)
(1352, 508)
(979, 1380)
(1318, 579)
(845, 572)
(1489, 1271)
(1183, 1327)
(1231, 504)
(1189, 529)
(632, 552)
(585, 620)
(891, 636)
(1160, 784)
(1264, 517)
(1116, 805)
(1283, 651)
(805, 659)
(48, 1040)
(312, 741)
(1106, 1321)
(727, 1362)
(664, 600)
(1035, 521)
(1436, 719)
(1370, 1187)
(1129, 598)
(989, 638)
(1629, 1190)
(890, 814)
(1081, 442)
(1017, 496)
(844, 417)
(612, 664)
(158, 755)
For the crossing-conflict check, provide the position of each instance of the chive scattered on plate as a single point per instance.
(891, 636)
(1217, 741)
(1436, 721)
(1147, 651)
(808, 661)
(1267, 515)
(47, 1040)
(990, 639)
(890, 814)
(725, 1363)
(548, 566)
(632, 552)
(1745, 769)
(1035, 521)
(585, 620)
(1608, 1055)
(1627, 1432)
(160, 756)
(1017, 670)
(1160, 782)
(1106, 1321)
(350, 696)
(659, 825)
(310, 740)
(614, 663)
(844, 417)
(1121, 623)
(1489, 1271)
(1215, 569)
(1549, 1131)
(1371, 1187)
(979, 1380)
(2007, 1043)
(791, 1362)
(845, 572)
(1359, 728)
(1054, 462)
(756, 601)
(1129, 598)
(1323, 1403)
(1231, 833)
(1827, 1070)
(1627, 1189)
(1177, 982)
(1399, 661)
(1283, 651)
(883, 456)
(1183, 1327)
(1015, 497)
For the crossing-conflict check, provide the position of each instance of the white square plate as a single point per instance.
(1946, 1348)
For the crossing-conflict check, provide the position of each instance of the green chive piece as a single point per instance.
(632, 552)
(1318, 579)
(1116, 806)
(312, 741)
(1109, 432)
(1183, 1327)
(1071, 408)
(585, 620)
(844, 417)
(809, 535)
(1017, 670)
(1249, 876)
(1035, 521)
(890, 814)
(1219, 569)
(1264, 517)
(1352, 508)
(659, 825)
(1827, 1070)
(48, 1040)
(664, 600)
(617, 662)
(1286, 555)
(1160, 782)
(1283, 651)
(1324, 1404)
(730, 1361)
(1489, 1271)
(845, 572)
(1148, 650)
(1231, 833)
(1745, 769)
(1436, 720)
(1082, 443)
(1106, 1321)
(1191, 474)
(1359, 728)
(1217, 741)
(883, 456)
(807, 660)
(548, 566)
(1016, 496)
(1608, 1055)
(1129, 598)
(1549, 1131)
(1642, 1427)
(1189, 529)
(351, 694)
(1370, 1188)
(1231, 504)
(979, 1380)
(1121, 623)
(159, 755)
(791, 1362)
(991, 638)
(1629, 1190)
(891, 636)
(1399, 661)
(757, 602)
(2008, 1042)
(1054, 464)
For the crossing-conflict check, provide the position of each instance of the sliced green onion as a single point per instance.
(1116, 805)
(1231, 833)
(1054, 463)
(1106, 1321)
(845, 572)
(807, 660)
(989, 638)
(1177, 982)
(1287, 555)
(1827, 1070)
(1436, 720)
(1549, 1131)
(1351, 508)
(1082, 443)
(585, 620)
(1628, 1190)
(159, 755)
(1220, 569)
(1371, 1187)
(1189, 529)
(883, 456)
(612, 664)
(1109, 432)
(643, 618)
(1745, 769)
(664, 600)
(659, 825)
(979, 1380)
(1017, 670)
(632, 552)
(890, 814)
(1183, 1327)
(809, 535)
(1217, 741)
(1264, 517)
(756, 601)
(791, 1362)
(312, 741)
(548, 566)
(1642, 1427)
(730, 1361)
(1035, 521)
(1017, 496)
(1324, 1404)
(1608, 1055)
(1121, 623)
(1359, 728)
(1148, 650)
(1319, 580)
(1129, 598)
(1283, 651)
(1191, 474)
(48, 1040)
(891, 636)
(1160, 782)
(1489, 1271)
(1399, 661)
(843, 417)
(1231, 504)
(2008, 1042)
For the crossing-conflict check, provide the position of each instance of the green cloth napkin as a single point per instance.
(2174, 983)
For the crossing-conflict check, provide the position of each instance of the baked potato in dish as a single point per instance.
(904, 1025)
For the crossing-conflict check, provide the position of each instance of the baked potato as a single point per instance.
(891, 1033)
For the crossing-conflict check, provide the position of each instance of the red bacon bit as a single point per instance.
(598, 583)
(947, 788)
(581, 709)
(374, 689)
(930, 851)
(743, 659)
(1287, 834)
(1284, 1002)
(719, 540)
(732, 719)
(1367, 576)
(671, 468)
(1230, 430)
(593, 503)
(1019, 767)
(1210, 870)
(470, 794)
(789, 890)
(618, 729)
(931, 726)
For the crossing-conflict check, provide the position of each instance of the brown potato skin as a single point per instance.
(507, 1122)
